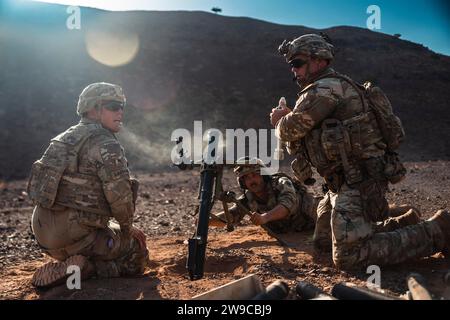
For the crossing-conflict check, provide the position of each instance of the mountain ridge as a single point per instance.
(193, 66)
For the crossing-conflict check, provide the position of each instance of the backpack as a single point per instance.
(390, 125)
(391, 129)
(373, 98)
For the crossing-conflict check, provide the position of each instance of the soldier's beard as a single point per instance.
(301, 82)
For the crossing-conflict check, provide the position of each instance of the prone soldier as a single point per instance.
(273, 200)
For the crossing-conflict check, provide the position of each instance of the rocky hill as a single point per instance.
(186, 66)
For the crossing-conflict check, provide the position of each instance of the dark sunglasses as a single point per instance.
(297, 63)
(113, 105)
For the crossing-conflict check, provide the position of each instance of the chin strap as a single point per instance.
(308, 76)
(303, 83)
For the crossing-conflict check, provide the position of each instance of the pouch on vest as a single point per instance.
(302, 170)
(335, 139)
(394, 169)
(43, 183)
(338, 148)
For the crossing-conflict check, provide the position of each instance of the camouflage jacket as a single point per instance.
(94, 176)
(325, 106)
(280, 191)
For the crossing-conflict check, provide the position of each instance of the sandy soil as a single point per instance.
(166, 201)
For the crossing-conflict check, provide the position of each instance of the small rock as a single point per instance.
(176, 228)
(325, 270)
(164, 223)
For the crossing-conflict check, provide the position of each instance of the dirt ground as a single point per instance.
(164, 213)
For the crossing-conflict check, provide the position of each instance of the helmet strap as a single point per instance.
(303, 83)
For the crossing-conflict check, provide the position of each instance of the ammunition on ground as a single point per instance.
(277, 290)
(349, 291)
(307, 291)
(417, 288)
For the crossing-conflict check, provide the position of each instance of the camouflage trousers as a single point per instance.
(357, 242)
(69, 232)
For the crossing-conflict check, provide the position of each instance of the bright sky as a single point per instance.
(422, 21)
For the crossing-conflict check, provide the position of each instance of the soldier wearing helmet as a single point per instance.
(334, 128)
(81, 182)
(312, 51)
(285, 205)
(274, 200)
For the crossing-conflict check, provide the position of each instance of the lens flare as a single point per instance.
(112, 49)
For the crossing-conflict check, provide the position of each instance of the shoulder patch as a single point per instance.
(332, 84)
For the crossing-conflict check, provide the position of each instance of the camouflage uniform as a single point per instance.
(281, 191)
(357, 185)
(79, 184)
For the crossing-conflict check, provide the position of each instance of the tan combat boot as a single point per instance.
(411, 217)
(442, 218)
(55, 273)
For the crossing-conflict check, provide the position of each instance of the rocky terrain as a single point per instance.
(177, 67)
(166, 202)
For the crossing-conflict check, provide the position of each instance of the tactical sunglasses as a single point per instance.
(113, 105)
(297, 63)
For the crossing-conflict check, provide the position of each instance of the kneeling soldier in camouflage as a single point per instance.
(79, 184)
(349, 133)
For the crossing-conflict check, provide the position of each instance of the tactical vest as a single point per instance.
(345, 144)
(55, 178)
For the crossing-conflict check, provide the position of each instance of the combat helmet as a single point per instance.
(244, 166)
(97, 92)
(311, 45)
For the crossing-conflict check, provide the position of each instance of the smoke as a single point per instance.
(144, 153)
